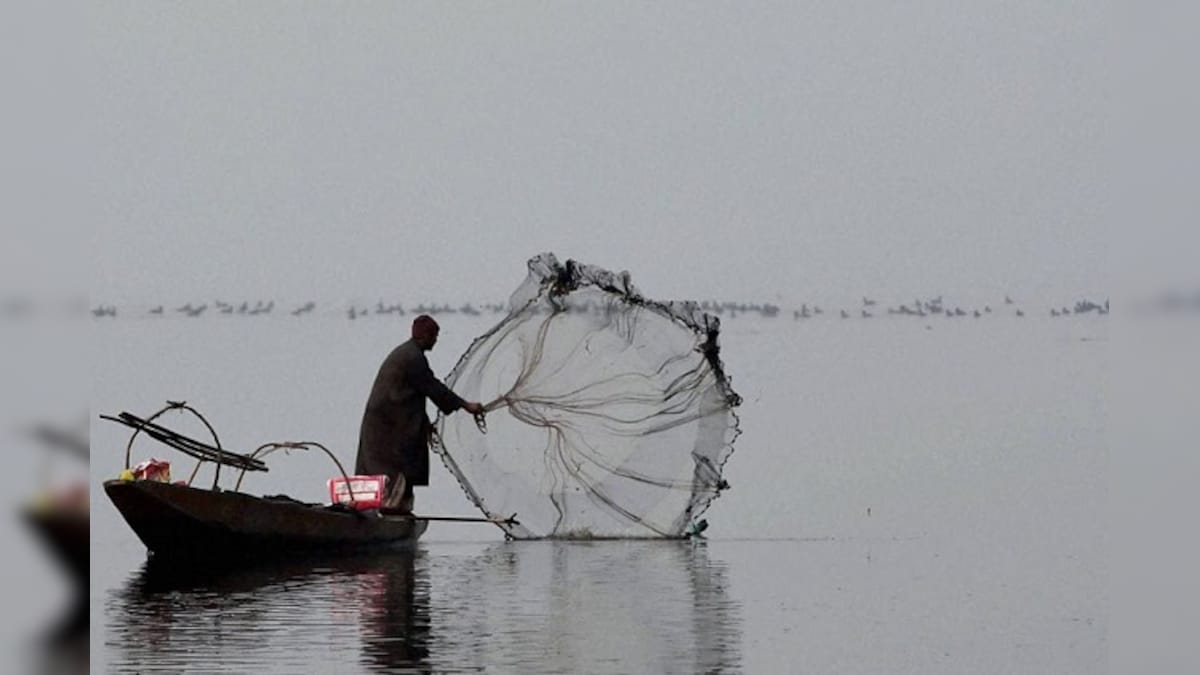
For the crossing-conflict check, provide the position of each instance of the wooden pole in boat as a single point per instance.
(511, 520)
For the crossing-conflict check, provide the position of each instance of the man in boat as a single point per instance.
(395, 433)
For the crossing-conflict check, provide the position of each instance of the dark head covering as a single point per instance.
(424, 325)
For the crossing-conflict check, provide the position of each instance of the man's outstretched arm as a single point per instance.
(446, 400)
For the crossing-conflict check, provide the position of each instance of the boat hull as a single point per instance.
(68, 536)
(177, 520)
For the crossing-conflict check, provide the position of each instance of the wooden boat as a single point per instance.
(180, 520)
(67, 534)
(186, 522)
(60, 516)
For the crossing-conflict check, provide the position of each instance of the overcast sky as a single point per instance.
(424, 151)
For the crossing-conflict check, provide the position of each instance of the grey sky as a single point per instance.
(423, 151)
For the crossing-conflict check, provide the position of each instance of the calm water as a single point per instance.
(905, 500)
(552, 607)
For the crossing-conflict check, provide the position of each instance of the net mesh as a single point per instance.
(609, 414)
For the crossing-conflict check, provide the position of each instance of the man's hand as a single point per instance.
(473, 407)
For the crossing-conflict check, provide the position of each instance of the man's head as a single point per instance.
(425, 332)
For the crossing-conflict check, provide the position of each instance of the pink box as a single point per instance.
(368, 491)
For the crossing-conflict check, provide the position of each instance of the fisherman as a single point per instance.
(396, 432)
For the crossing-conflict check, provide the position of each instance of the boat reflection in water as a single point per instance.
(277, 617)
(58, 516)
(514, 606)
(62, 647)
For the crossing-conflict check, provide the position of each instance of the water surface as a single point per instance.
(906, 498)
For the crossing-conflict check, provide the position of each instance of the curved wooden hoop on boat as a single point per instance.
(178, 405)
(267, 448)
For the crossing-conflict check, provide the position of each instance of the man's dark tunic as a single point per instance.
(394, 437)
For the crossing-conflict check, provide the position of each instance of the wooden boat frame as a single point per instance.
(177, 519)
(64, 531)
(183, 520)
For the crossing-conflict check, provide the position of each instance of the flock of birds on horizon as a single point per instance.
(920, 308)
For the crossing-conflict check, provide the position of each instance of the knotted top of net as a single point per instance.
(610, 415)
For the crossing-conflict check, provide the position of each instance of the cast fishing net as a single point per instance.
(609, 414)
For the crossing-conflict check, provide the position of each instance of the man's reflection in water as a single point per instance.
(393, 597)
